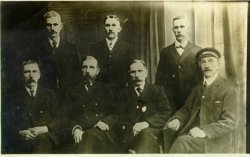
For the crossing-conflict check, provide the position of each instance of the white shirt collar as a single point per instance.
(141, 86)
(211, 79)
(184, 44)
(28, 90)
(57, 42)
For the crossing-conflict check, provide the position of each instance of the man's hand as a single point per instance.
(39, 130)
(102, 125)
(26, 134)
(77, 135)
(197, 132)
(139, 126)
(174, 125)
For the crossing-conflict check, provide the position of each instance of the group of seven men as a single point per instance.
(105, 105)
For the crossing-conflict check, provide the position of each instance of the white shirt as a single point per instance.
(34, 91)
(111, 43)
(180, 50)
(141, 86)
(57, 42)
(210, 80)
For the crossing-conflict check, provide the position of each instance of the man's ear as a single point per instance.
(61, 26)
(97, 70)
(120, 28)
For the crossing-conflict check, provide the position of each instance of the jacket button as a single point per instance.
(41, 111)
(110, 56)
(203, 97)
(96, 115)
(30, 114)
(173, 75)
(96, 104)
(179, 66)
(83, 105)
(44, 122)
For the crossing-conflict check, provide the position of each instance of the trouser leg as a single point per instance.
(169, 137)
(148, 141)
(188, 144)
(43, 144)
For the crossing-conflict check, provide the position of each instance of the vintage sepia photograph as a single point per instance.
(124, 77)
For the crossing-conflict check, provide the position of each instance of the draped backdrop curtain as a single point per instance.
(213, 24)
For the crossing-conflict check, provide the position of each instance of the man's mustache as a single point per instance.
(207, 70)
(179, 35)
(31, 81)
(52, 32)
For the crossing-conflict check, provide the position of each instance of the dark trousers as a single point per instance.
(169, 136)
(97, 141)
(42, 144)
(147, 141)
(188, 144)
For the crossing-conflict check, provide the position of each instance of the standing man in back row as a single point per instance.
(113, 54)
(177, 71)
(59, 59)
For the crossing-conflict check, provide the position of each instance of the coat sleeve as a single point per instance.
(184, 113)
(163, 110)
(229, 117)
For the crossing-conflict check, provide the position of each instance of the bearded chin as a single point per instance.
(88, 80)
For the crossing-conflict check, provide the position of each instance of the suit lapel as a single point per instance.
(116, 46)
(185, 52)
(214, 85)
(40, 93)
(175, 54)
(146, 92)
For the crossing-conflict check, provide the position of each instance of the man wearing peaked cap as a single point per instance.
(207, 121)
(212, 52)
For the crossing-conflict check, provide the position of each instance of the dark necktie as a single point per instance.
(54, 46)
(205, 85)
(139, 90)
(32, 95)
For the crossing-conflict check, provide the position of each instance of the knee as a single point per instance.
(150, 133)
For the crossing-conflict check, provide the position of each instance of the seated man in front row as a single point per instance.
(208, 120)
(91, 110)
(144, 111)
(34, 118)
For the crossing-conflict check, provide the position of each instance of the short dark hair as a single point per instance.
(111, 16)
(29, 61)
(137, 61)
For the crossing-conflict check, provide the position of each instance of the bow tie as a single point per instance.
(179, 47)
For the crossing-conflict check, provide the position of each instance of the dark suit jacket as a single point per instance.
(42, 111)
(152, 107)
(114, 64)
(86, 108)
(178, 74)
(64, 65)
(217, 108)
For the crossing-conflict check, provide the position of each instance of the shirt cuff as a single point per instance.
(76, 127)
